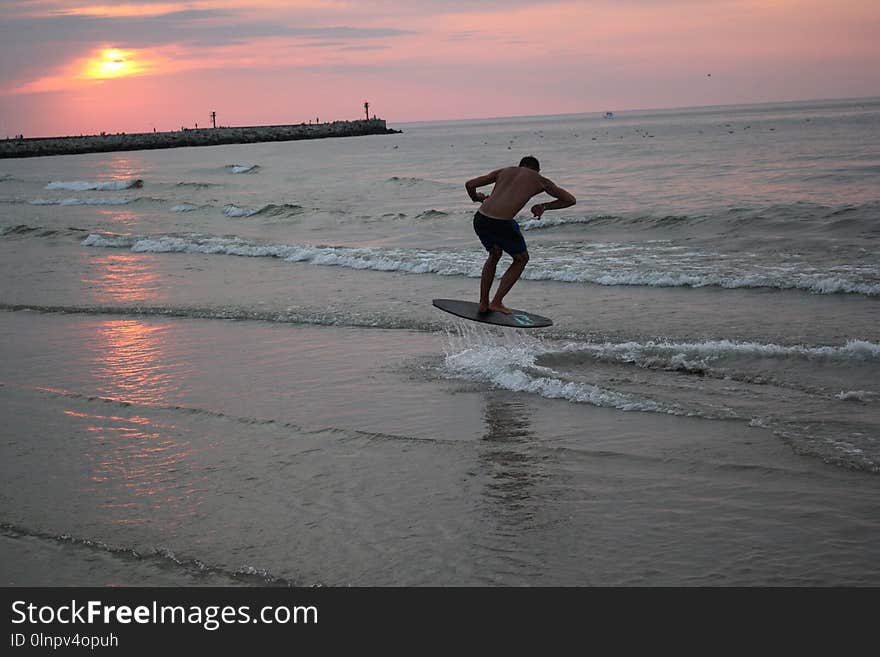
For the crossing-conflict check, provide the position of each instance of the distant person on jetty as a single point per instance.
(496, 227)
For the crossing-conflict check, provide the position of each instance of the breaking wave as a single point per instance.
(242, 168)
(269, 210)
(198, 185)
(432, 214)
(513, 367)
(162, 556)
(188, 207)
(795, 218)
(523, 364)
(81, 201)
(608, 264)
(649, 352)
(107, 185)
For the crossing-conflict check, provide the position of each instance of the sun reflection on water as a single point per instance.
(130, 361)
(125, 167)
(122, 278)
(140, 468)
(142, 460)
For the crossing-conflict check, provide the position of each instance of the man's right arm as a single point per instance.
(480, 181)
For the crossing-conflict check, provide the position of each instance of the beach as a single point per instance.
(221, 365)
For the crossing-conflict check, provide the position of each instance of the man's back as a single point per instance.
(514, 186)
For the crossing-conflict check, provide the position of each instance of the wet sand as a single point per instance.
(326, 455)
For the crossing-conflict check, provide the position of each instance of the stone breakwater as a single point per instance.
(189, 137)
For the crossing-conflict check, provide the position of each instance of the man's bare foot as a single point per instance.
(500, 308)
(484, 308)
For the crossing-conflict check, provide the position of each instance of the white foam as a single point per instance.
(108, 241)
(512, 367)
(818, 283)
(185, 207)
(80, 201)
(232, 210)
(106, 185)
(640, 352)
(856, 395)
(550, 222)
(242, 168)
(548, 266)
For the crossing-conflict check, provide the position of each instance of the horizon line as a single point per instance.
(650, 109)
(524, 116)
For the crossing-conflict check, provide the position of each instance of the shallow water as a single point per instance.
(222, 366)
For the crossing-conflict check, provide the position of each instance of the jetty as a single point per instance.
(187, 137)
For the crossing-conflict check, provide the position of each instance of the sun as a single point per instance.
(112, 63)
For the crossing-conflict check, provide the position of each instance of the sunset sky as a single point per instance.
(84, 67)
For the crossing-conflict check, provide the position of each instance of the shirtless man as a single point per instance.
(496, 227)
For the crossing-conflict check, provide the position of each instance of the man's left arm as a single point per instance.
(564, 198)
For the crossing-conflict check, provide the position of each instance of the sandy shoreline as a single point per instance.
(330, 444)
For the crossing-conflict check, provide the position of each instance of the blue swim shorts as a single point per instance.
(503, 233)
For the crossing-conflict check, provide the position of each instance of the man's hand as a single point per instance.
(479, 197)
(538, 210)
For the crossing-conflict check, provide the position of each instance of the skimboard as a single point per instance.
(471, 310)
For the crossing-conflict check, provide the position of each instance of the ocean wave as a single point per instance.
(24, 229)
(672, 352)
(304, 316)
(80, 201)
(160, 555)
(75, 200)
(16, 229)
(856, 395)
(817, 283)
(198, 185)
(239, 419)
(551, 222)
(728, 360)
(548, 221)
(613, 269)
(432, 214)
(795, 218)
(522, 364)
(242, 168)
(406, 180)
(513, 367)
(414, 182)
(269, 210)
(232, 210)
(107, 185)
(188, 207)
(606, 219)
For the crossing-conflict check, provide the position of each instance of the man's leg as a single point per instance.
(488, 277)
(510, 277)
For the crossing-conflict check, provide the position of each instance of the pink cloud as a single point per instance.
(254, 61)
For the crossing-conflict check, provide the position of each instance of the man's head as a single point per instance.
(531, 162)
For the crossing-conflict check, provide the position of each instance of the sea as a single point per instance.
(221, 365)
